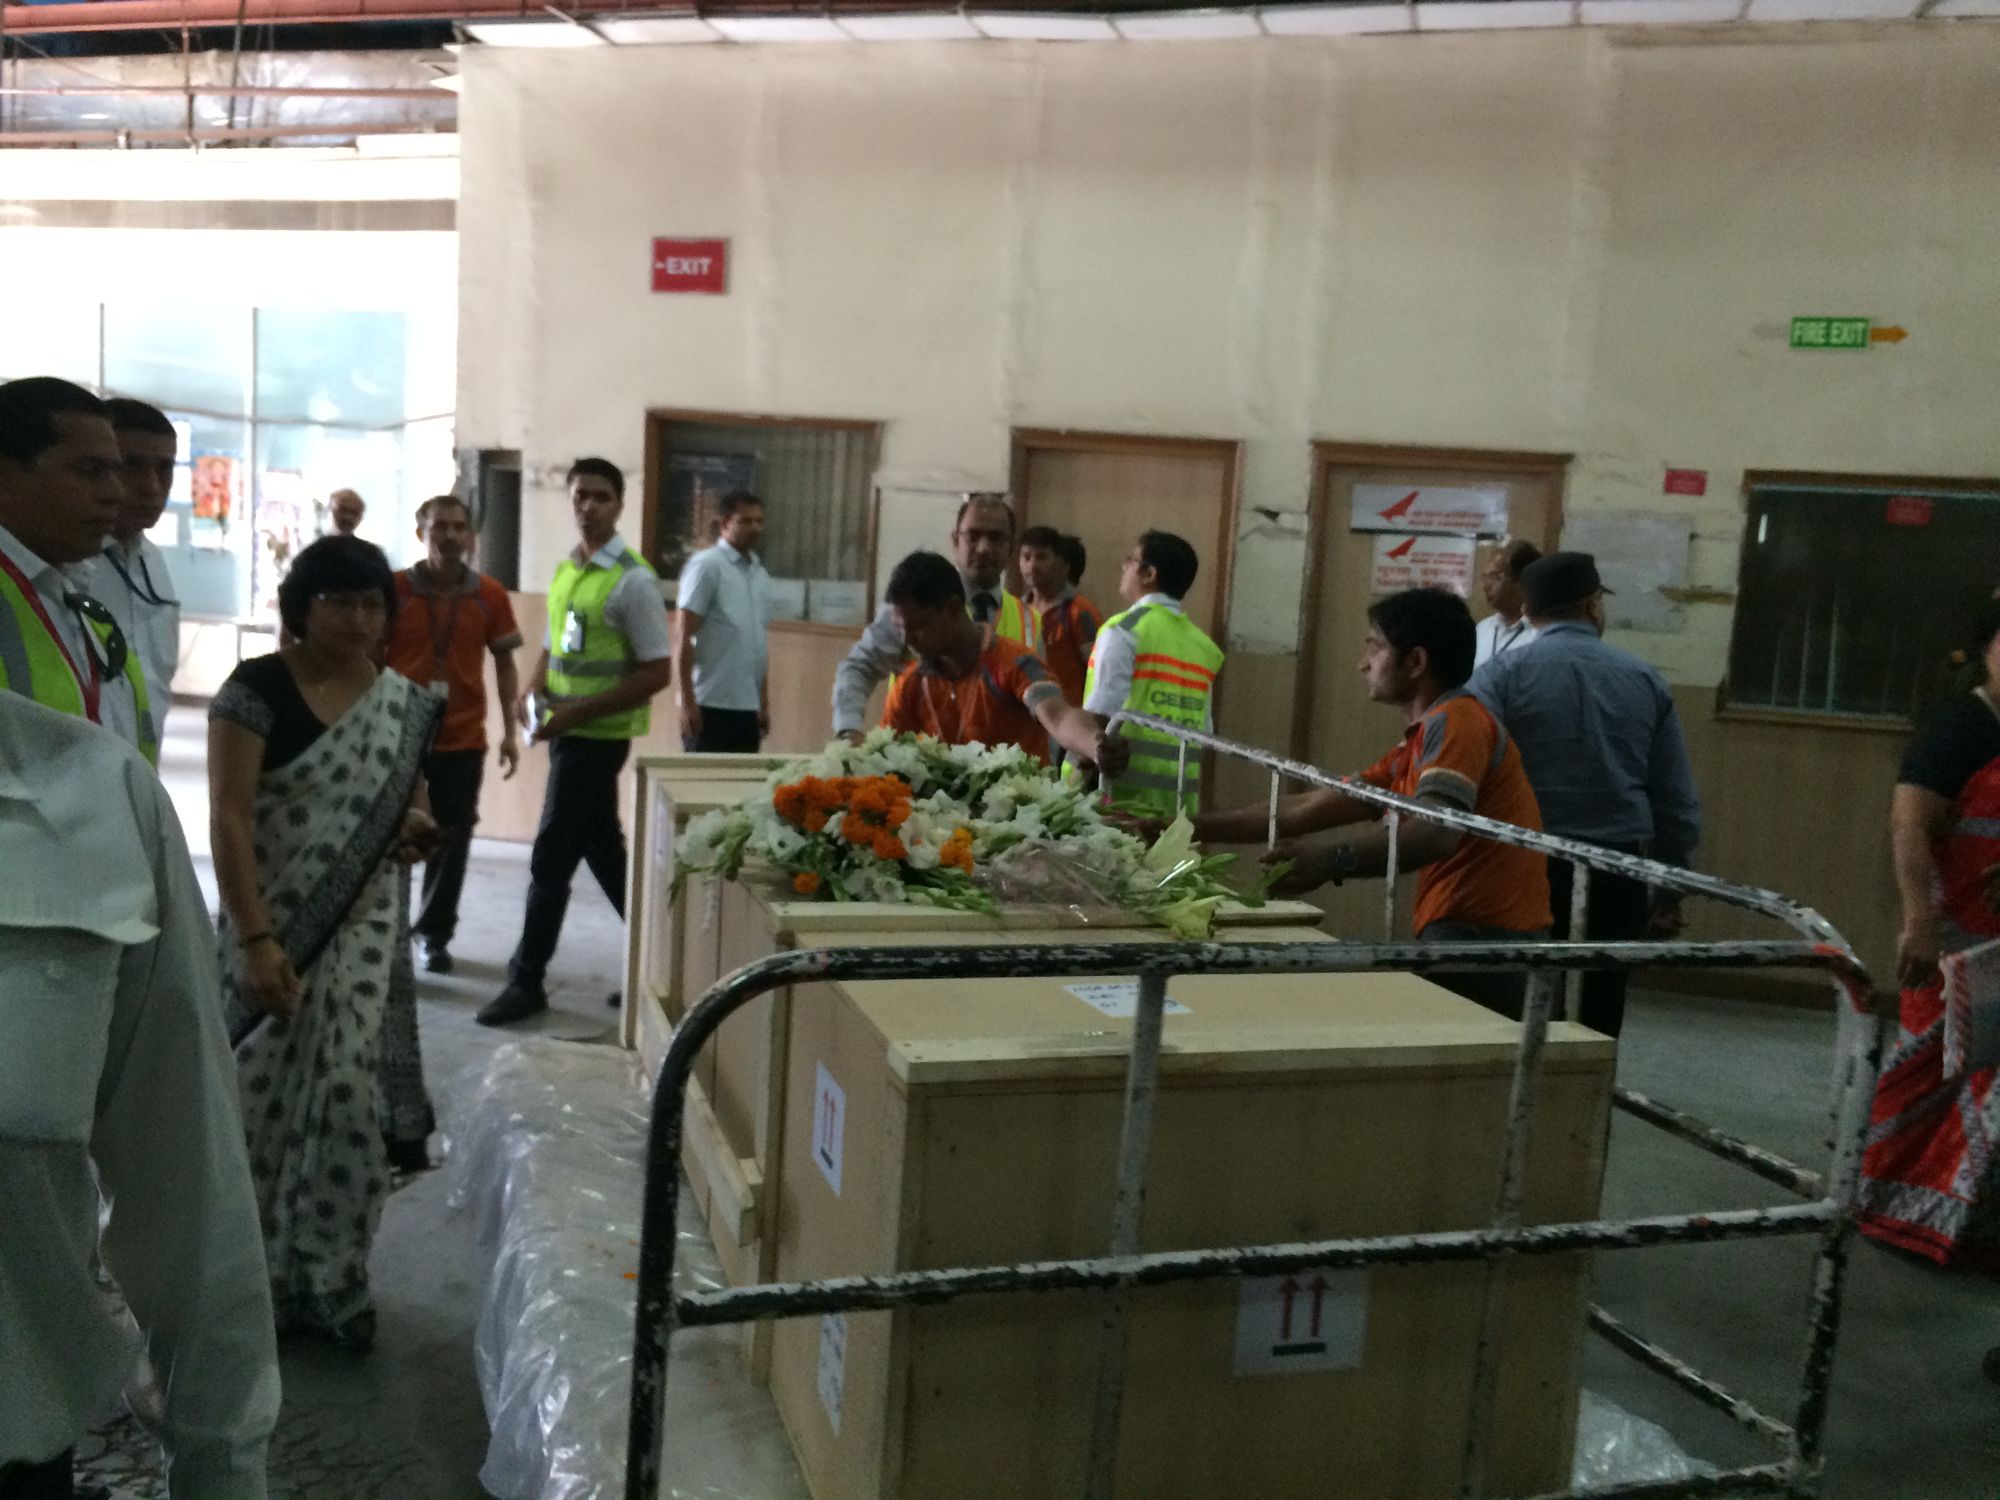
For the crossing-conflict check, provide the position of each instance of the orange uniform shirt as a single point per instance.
(445, 636)
(993, 704)
(1069, 630)
(1459, 753)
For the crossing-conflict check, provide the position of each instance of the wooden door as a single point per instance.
(1338, 728)
(1107, 488)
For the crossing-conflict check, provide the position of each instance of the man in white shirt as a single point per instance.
(721, 651)
(133, 580)
(60, 494)
(1507, 628)
(115, 1073)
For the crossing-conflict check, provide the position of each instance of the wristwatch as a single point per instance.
(1341, 862)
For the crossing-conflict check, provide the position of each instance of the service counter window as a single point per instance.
(816, 479)
(1852, 594)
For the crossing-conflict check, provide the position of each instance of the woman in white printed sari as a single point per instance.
(316, 794)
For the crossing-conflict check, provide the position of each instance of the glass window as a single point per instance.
(332, 366)
(1852, 596)
(50, 338)
(190, 359)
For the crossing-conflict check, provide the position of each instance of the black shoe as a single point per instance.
(436, 957)
(514, 1003)
(1991, 1364)
(408, 1157)
(615, 999)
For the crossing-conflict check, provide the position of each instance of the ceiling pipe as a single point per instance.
(217, 90)
(199, 136)
(132, 15)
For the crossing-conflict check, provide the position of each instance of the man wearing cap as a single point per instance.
(1602, 743)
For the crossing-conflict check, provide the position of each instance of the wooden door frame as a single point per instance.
(657, 418)
(1067, 440)
(1325, 456)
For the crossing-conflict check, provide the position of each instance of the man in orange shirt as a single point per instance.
(1051, 569)
(1417, 656)
(448, 620)
(970, 686)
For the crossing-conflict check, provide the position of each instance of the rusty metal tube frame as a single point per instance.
(660, 1310)
(1708, 1392)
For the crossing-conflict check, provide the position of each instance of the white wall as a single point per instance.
(1583, 242)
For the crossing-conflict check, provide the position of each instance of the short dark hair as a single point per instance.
(597, 468)
(1517, 555)
(1041, 536)
(333, 565)
(925, 580)
(734, 501)
(28, 412)
(1438, 621)
(1071, 548)
(984, 497)
(430, 505)
(1172, 559)
(128, 415)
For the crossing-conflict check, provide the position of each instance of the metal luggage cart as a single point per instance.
(1824, 1210)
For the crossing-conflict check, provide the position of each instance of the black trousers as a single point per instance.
(53, 1480)
(1497, 990)
(726, 731)
(454, 777)
(579, 826)
(1618, 913)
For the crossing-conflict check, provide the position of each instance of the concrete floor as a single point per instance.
(1912, 1417)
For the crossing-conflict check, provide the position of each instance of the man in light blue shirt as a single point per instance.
(721, 652)
(1601, 741)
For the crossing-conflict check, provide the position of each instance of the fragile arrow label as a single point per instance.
(1297, 1324)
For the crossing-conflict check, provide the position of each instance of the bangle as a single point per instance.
(266, 936)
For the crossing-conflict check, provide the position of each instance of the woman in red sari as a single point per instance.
(1930, 1180)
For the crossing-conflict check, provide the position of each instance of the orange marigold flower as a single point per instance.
(806, 883)
(957, 851)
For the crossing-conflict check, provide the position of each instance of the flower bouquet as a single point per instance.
(906, 818)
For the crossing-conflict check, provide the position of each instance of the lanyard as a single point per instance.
(441, 639)
(88, 687)
(151, 593)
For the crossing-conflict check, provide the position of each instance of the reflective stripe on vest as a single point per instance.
(1017, 623)
(1173, 678)
(34, 664)
(606, 655)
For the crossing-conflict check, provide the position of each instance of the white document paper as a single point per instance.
(1119, 998)
(1306, 1321)
(829, 1126)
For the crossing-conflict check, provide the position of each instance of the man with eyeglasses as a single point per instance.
(132, 579)
(60, 498)
(982, 541)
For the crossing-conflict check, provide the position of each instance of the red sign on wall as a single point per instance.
(1909, 510)
(1686, 482)
(700, 266)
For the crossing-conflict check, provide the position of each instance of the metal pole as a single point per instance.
(1135, 1145)
(1395, 824)
(1180, 778)
(1506, 1215)
(1579, 924)
(1271, 830)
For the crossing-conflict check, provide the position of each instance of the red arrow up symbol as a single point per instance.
(1404, 549)
(1319, 1290)
(1289, 1290)
(1401, 507)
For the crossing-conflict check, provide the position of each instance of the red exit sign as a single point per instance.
(700, 266)
(1910, 510)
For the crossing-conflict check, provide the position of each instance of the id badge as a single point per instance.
(572, 639)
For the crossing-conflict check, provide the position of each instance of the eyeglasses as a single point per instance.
(364, 604)
(107, 642)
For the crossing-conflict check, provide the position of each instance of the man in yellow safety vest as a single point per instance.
(982, 542)
(60, 492)
(1152, 659)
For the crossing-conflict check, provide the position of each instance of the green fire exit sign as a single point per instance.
(1829, 333)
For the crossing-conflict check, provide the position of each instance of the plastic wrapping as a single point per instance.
(1615, 1447)
(547, 1143)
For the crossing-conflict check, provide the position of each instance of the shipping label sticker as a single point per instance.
(832, 1365)
(829, 1126)
(1300, 1323)
(1119, 999)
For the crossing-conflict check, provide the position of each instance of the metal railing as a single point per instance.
(1796, 1468)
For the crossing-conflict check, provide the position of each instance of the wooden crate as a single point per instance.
(977, 1122)
(742, 1075)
